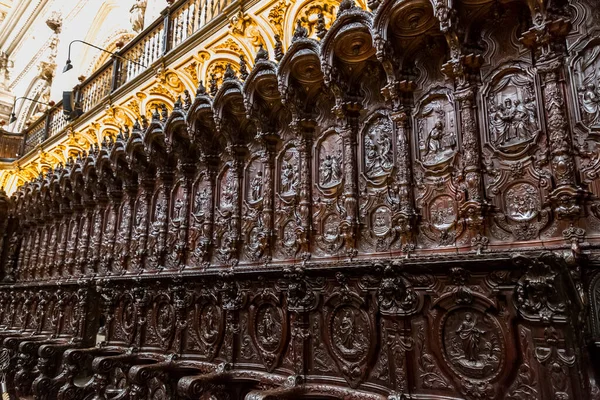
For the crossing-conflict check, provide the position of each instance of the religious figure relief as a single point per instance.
(137, 11)
(155, 231)
(201, 202)
(587, 76)
(436, 131)
(290, 178)
(165, 322)
(255, 182)
(522, 202)
(381, 221)
(523, 215)
(128, 318)
(228, 190)
(268, 328)
(378, 151)
(442, 212)
(97, 234)
(209, 324)
(330, 162)
(473, 344)
(139, 222)
(512, 112)
(349, 333)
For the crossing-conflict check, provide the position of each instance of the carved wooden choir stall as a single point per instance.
(404, 208)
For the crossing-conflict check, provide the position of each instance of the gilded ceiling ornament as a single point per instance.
(245, 28)
(276, 16)
(192, 70)
(229, 44)
(217, 68)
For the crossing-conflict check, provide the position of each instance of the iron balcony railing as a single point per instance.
(177, 23)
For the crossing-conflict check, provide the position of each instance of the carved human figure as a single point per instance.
(256, 187)
(330, 170)
(209, 323)
(269, 327)
(347, 330)
(385, 146)
(137, 12)
(228, 192)
(289, 177)
(177, 217)
(513, 121)
(589, 98)
(470, 336)
(201, 202)
(434, 139)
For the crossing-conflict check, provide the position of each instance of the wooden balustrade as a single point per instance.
(176, 24)
(10, 145)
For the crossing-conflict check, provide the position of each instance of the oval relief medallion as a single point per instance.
(473, 344)
(522, 202)
(208, 327)
(268, 326)
(350, 334)
(442, 213)
(381, 220)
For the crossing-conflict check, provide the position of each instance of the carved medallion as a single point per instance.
(442, 212)
(331, 227)
(512, 112)
(381, 221)
(522, 202)
(208, 324)
(268, 327)
(436, 131)
(164, 320)
(378, 150)
(473, 344)
(350, 334)
(128, 317)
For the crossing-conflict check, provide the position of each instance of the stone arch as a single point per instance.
(27, 111)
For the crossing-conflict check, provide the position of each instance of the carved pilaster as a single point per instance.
(306, 131)
(200, 238)
(156, 245)
(547, 41)
(565, 196)
(123, 238)
(140, 223)
(108, 237)
(472, 207)
(178, 225)
(95, 247)
(406, 220)
(349, 134)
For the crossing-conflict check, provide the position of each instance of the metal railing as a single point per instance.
(177, 23)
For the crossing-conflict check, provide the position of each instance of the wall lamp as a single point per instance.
(13, 116)
(69, 65)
